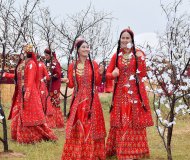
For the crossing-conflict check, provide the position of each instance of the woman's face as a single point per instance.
(84, 50)
(21, 56)
(47, 56)
(125, 39)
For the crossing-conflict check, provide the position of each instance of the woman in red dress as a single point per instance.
(45, 99)
(85, 131)
(28, 123)
(54, 85)
(130, 111)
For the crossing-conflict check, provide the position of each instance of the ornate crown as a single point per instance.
(28, 48)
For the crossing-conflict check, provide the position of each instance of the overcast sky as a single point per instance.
(141, 15)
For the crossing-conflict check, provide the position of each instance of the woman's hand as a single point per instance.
(4, 74)
(65, 80)
(115, 72)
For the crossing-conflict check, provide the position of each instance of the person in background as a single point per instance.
(45, 99)
(54, 85)
(28, 123)
(101, 87)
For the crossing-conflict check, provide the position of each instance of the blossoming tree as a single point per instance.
(168, 68)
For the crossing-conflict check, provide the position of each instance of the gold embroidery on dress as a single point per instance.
(83, 100)
(21, 70)
(80, 69)
(125, 59)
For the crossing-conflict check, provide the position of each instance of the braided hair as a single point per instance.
(92, 85)
(136, 60)
(136, 75)
(75, 81)
(116, 65)
(15, 71)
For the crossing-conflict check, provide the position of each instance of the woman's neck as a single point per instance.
(27, 59)
(82, 59)
(126, 50)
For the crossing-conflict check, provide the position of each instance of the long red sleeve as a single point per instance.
(70, 76)
(45, 72)
(142, 65)
(98, 77)
(31, 71)
(9, 75)
(57, 71)
(111, 67)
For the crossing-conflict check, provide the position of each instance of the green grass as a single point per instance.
(53, 151)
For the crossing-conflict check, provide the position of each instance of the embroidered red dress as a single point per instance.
(28, 119)
(108, 85)
(55, 92)
(127, 136)
(85, 137)
(45, 99)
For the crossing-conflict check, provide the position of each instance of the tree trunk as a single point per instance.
(65, 101)
(170, 132)
(169, 137)
(5, 141)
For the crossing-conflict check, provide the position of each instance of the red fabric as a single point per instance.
(28, 119)
(32, 103)
(7, 79)
(127, 144)
(58, 115)
(37, 78)
(80, 147)
(109, 85)
(188, 71)
(101, 87)
(54, 55)
(43, 76)
(9, 75)
(128, 115)
(50, 120)
(55, 94)
(47, 50)
(83, 134)
(56, 76)
(84, 95)
(45, 99)
(123, 100)
(31, 134)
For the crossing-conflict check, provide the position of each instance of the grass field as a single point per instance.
(53, 151)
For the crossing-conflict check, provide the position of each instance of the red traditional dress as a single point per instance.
(45, 99)
(85, 137)
(28, 120)
(55, 92)
(108, 85)
(127, 136)
(101, 87)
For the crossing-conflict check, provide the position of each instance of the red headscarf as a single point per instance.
(79, 42)
(48, 51)
(129, 31)
(29, 50)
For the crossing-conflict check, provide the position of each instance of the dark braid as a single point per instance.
(92, 85)
(75, 82)
(15, 71)
(136, 75)
(116, 65)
